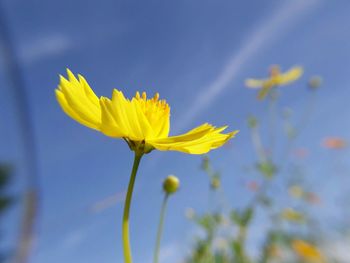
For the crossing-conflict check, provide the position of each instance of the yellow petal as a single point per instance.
(197, 141)
(308, 251)
(291, 75)
(77, 103)
(125, 115)
(109, 126)
(71, 113)
(255, 83)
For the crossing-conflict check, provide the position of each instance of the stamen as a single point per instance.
(137, 95)
(156, 96)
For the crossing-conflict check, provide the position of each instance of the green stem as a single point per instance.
(125, 227)
(273, 118)
(160, 229)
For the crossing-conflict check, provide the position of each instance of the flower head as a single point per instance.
(334, 143)
(292, 215)
(276, 79)
(307, 251)
(143, 122)
(296, 191)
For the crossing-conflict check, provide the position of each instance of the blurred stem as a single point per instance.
(13, 72)
(298, 128)
(256, 139)
(125, 226)
(241, 256)
(272, 114)
(308, 111)
(160, 228)
(242, 233)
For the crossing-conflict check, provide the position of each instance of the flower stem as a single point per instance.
(160, 228)
(125, 227)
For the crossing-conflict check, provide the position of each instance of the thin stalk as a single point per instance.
(125, 226)
(259, 148)
(273, 118)
(13, 71)
(160, 228)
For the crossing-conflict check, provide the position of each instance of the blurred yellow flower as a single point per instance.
(334, 143)
(307, 251)
(276, 79)
(292, 215)
(296, 191)
(143, 123)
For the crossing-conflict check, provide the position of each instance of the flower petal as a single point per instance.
(125, 116)
(78, 101)
(109, 126)
(197, 141)
(255, 83)
(291, 75)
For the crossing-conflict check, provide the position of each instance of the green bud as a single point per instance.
(315, 82)
(268, 169)
(171, 184)
(252, 122)
(215, 182)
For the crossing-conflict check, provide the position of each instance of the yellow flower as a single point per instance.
(307, 251)
(296, 191)
(292, 215)
(276, 79)
(143, 123)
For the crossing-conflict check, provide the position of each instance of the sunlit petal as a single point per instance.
(197, 141)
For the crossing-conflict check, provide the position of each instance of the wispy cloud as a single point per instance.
(169, 253)
(282, 19)
(43, 47)
(73, 239)
(107, 202)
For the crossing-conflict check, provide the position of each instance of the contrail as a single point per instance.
(283, 18)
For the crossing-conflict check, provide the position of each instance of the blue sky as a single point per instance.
(196, 54)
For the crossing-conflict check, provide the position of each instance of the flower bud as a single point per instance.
(171, 184)
(215, 182)
(315, 82)
(252, 122)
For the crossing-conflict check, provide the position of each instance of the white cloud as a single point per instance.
(42, 47)
(338, 249)
(169, 253)
(280, 21)
(74, 238)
